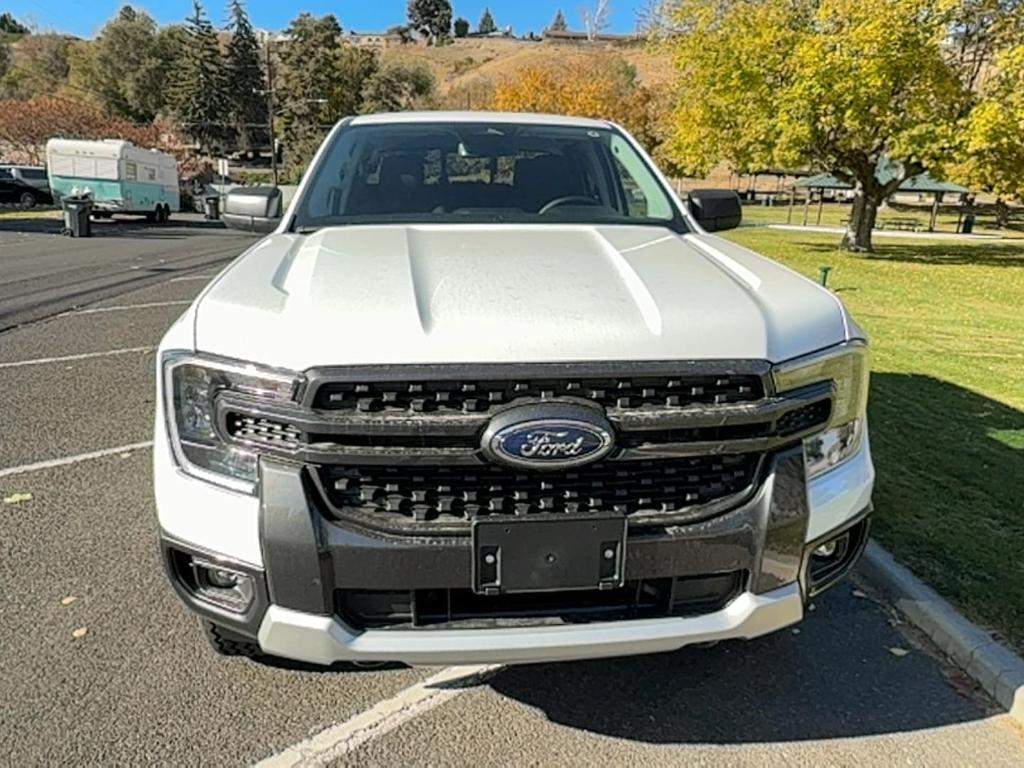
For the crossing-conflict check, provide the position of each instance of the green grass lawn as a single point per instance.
(946, 321)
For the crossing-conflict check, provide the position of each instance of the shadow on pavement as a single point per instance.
(180, 225)
(836, 678)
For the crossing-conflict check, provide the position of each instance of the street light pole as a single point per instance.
(270, 113)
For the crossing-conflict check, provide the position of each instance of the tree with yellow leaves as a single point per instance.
(603, 87)
(838, 85)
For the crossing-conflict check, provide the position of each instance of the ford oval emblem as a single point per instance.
(548, 436)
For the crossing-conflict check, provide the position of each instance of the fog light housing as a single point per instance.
(223, 587)
(826, 550)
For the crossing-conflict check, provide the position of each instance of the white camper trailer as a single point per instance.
(118, 176)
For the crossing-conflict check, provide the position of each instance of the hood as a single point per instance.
(516, 293)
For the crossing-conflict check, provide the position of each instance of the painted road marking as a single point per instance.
(69, 358)
(124, 307)
(63, 462)
(191, 277)
(382, 718)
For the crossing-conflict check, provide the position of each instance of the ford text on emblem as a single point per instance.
(548, 436)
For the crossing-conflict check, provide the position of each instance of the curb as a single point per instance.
(999, 671)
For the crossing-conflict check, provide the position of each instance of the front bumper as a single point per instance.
(325, 640)
(304, 558)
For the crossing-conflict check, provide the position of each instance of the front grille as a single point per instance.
(460, 493)
(639, 599)
(481, 395)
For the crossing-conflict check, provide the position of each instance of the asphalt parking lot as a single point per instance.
(101, 665)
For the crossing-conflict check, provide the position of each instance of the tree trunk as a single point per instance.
(1002, 214)
(866, 198)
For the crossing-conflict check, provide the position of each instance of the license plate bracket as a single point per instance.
(548, 552)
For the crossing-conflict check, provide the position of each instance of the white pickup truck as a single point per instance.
(488, 391)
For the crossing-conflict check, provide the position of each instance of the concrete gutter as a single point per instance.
(994, 667)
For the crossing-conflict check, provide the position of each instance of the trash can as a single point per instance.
(77, 211)
(968, 225)
(211, 207)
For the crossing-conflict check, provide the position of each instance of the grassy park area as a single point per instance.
(898, 217)
(947, 405)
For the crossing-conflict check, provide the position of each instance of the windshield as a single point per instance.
(482, 173)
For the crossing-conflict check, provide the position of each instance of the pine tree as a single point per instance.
(559, 24)
(309, 77)
(200, 98)
(432, 18)
(245, 75)
(486, 24)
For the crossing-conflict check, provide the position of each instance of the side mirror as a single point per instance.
(715, 209)
(253, 209)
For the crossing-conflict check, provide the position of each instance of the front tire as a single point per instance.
(228, 643)
(27, 200)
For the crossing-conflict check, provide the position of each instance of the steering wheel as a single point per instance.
(574, 199)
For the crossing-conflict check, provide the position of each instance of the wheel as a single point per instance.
(167, 213)
(27, 200)
(228, 643)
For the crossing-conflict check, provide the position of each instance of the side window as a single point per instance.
(131, 171)
(643, 195)
(150, 174)
(636, 200)
(5, 173)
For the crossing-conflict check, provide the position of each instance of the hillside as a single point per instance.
(467, 64)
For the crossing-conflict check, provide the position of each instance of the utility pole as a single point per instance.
(270, 113)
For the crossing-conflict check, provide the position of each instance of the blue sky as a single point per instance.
(85, 18)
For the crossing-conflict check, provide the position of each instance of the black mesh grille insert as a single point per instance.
(479, 396)
(256, 429)
(649, 598)
(804, 418)
(425, 493)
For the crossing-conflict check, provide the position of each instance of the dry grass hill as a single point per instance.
(467, 65)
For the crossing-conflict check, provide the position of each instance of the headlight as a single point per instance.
(846, 366)
(191, 385)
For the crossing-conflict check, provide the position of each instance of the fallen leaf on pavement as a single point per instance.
(17, 498)
(899, 652)
(796, 631)
(68, 600)
(80, 632)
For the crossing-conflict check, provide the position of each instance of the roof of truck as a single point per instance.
(520, 118)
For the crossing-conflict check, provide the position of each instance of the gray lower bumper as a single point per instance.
(325, 640)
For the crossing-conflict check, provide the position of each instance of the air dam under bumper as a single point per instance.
(325, 640)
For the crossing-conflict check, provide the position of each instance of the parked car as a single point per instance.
(118, 176)
(32, 175)
(17, 192)
(490, 392)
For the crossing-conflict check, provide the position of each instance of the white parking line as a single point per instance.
(69, 358)
(382, 718)
(125, 307)
(191, 277)
(62, 462)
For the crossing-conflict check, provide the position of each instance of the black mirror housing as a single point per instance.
(253, 209)
(715, 209)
